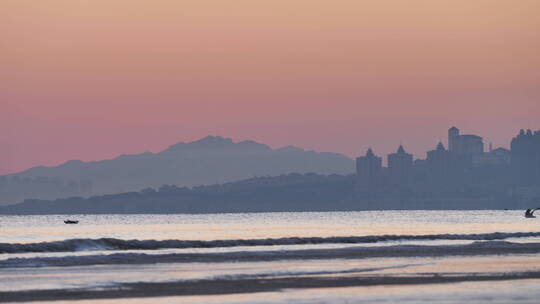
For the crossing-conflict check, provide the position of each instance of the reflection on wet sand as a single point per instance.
(308, 275)
(335, 257)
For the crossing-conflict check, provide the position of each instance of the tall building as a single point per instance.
(466, 144)
(368, 171)
(438, 164)
(525, 158)
(453, 139)
(400, 168)
(495, 157)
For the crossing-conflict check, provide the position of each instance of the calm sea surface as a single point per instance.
(38, 228)
(39, 253)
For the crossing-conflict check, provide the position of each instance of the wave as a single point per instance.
(319, 272)
(119, 244)
(473, 249)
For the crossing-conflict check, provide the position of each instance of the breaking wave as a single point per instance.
(119, 244)
(475, 248)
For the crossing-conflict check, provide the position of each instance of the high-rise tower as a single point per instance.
(368, 171)
(400, 166)
(438, 164)
(525, 158)
(466, 144)
(453, 139)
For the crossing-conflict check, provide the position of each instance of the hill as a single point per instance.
(211, 160)
(286, 193)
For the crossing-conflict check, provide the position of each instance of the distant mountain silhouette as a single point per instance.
(285, 193)
(211, 160)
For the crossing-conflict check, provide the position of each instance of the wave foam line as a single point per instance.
(119, 244)
(473, 249)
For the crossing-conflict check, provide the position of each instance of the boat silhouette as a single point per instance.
(71, 222)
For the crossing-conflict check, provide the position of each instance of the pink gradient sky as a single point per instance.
(93, 79)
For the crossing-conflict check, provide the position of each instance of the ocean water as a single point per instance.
(305, 257)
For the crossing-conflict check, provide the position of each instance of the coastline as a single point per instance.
(228, 286)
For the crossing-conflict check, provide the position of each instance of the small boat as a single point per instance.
(70, 222)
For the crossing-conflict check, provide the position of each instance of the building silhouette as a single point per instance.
(400, 169)
(525, 158)
(369, 171)
(495, 157)
(438, 165)
(462, 176)
(466, 144)
(453, 139)
(463, 173)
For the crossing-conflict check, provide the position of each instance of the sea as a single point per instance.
(444, 256)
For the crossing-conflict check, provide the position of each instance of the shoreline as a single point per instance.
(238, 286)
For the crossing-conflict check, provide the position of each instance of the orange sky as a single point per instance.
(93, 79)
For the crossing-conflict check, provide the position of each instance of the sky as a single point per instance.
(94, 79)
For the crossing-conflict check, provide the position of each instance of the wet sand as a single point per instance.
(428, 262)
(228, 286)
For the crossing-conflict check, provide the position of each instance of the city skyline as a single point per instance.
(216, 160)
(464, 176)
(277, 151)
(417, 154)
(94, 79)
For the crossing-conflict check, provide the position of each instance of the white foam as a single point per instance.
(476, 248)
(72, 245)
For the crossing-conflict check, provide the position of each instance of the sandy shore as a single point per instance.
(231, 286)
(277, 282)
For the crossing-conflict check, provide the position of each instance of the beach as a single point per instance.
(336, 257)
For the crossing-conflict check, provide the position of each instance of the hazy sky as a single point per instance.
(93, 79)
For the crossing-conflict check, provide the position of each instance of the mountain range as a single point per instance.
(210, 160)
